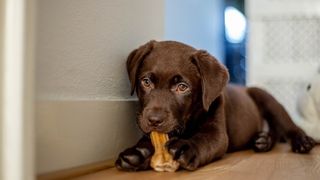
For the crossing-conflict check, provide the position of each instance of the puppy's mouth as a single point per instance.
(177, 132)
(173, 129)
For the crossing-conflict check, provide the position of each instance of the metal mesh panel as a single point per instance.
(294, 39)
(286, 91)
(284, 47)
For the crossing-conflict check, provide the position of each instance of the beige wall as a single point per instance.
(73, 133)
(84, 112)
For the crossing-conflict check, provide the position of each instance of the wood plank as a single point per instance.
(280, 163)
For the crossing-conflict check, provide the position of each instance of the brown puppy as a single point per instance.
(184, 92)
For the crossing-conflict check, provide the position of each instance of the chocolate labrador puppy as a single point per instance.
(184, 92)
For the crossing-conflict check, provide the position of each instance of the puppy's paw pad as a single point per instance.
(302, 144)
(262, 142)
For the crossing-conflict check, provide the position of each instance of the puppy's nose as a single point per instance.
(156, 118)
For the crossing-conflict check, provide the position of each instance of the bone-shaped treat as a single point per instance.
(161, 159)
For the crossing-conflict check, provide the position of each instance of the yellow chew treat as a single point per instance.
(161, 159)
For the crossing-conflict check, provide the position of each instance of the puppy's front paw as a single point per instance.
(302, 144)
(183, 151)
(134, 159)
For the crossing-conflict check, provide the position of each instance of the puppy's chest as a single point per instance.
(194, 125)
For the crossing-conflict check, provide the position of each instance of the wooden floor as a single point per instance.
(280, 164)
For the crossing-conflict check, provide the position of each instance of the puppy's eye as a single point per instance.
(146, 82)
(182, 87)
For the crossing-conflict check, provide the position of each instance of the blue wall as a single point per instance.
(198, 23)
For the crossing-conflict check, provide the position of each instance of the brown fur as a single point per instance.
(184, 92)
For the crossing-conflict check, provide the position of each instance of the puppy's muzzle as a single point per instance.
(156, 117)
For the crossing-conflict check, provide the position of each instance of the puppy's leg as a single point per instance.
(210, 141)
(137, 157)
(280, 121)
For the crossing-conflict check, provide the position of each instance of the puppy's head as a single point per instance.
(173, 82)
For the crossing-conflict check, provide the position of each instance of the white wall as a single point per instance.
(84, 113)
(198, 23)
(16, 84)
(83, 44)
(1, 81)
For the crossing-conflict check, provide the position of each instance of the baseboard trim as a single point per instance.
(77, 171)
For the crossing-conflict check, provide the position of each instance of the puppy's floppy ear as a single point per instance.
(135, 60)
(214, 76)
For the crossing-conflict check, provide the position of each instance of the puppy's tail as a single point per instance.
(281, 125)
